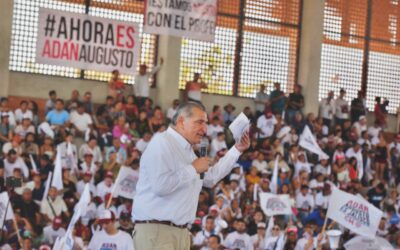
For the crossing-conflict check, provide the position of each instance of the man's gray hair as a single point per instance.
(186, 110)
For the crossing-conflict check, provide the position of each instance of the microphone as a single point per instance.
(203, 153)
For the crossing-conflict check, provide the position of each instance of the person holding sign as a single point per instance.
(171, 177)
(193, 88)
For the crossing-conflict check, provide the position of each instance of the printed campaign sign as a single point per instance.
(125, 185)
(87, 42)
(273, 204)
(194, 19)
(354, 213)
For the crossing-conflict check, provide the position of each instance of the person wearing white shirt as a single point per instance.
(327, 109)
(301, 164)
(259, 238)
(200, 241)
(110, 237)
(68, 151)
(22, 112)
(364, 139)
(12, 162)
(266, 124)
(172, 110)
(304, 202)
(142, 144)
(171, 180)
(355, 152)
(373, 132)
(51, 232)
(87, 178)
(217, 144)
(360, 125)
(106, 186)
(341, 108)
(91, 147)
(142, 81)
(80, 120)
(260, 163)
(395, 143)
(323, 167)
(214, 127)
(239, 239)
(261, 99)
(53, 205)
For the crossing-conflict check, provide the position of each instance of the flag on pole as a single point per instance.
(47, 187)
(273, 186)
(354, 213)
(56, 181)
(70, 158)
(79, 210)
(273, 204)
(33, 164)
(308, 142)
(6, 212)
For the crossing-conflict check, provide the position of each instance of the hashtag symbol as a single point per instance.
(50, 21)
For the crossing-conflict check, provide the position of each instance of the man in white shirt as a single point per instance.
(266, 124)
(106, 186)
(80, 120)
(12, 162)
(239, 239)
(171, 178)
(201, 239)
(304, 202)
(51, 232)
(214, 127)
(53, 205)
(142, 84)
(261, 99)
(360, 125)
(110, 237)
(22, 112)
(327, 109)
(142, 144)
(172, 110)
(342, 108)
(355, 152)
(259, 238)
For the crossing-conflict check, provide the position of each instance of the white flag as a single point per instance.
(354, 213)
(274, 181)
(46, 189)
(57, 175)
(79, 210)
(273, 204)
(6, 212)
(308, 141)
(125, 184)
(33, 164)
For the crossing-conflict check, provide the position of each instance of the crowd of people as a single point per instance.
(105, 137)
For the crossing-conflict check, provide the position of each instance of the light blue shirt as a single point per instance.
(57, 118)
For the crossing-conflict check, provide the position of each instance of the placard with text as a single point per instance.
(87, 42)
(193, 19)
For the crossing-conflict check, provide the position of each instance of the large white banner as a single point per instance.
(194, 19)
(125, 185)
(87, 42)
(273, 204)
(354, 213)
(308, 142)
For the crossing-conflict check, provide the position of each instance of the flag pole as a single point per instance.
(18, 234)
(324, 226)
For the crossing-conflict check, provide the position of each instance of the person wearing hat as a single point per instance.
(105, 186)
(103, 205)
(51, 232)
(171, 178)
(88, 164)
(92, 147)
(228, 114)
(259, 238)
(291, 239)
(87, 177)
(110, 237)
(341, 108)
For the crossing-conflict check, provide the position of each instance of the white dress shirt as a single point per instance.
(142, 85)
(342, 108)
(169, 186)
(327, 108)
